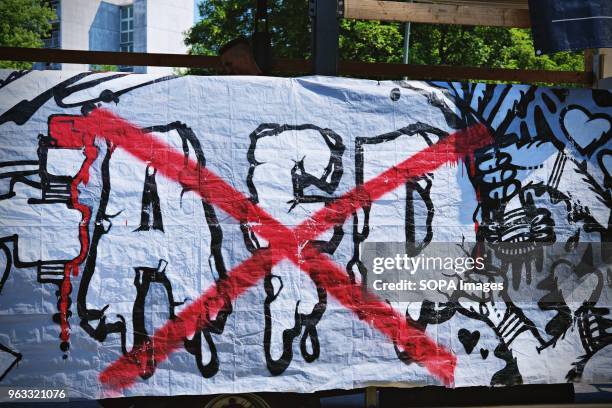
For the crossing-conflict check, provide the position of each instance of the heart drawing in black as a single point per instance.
(469, 339)
(585, 130)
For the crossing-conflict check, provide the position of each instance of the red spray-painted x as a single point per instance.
(285, 243)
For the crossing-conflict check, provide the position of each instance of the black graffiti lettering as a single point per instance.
(151, 208)
(7, 366)
(301, 182)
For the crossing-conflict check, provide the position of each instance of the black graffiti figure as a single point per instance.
(95, 321)
(430, 313)
(53, 190)
(151, 207)
(419, 209)
(514, 205)
(21, 112)
(595, 328)
(144, 278)
(8, 360)
(417, 190)
(46, 190)
(308, 181)
(592, 321)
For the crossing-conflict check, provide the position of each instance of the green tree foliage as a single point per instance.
(458, 45)
(373, 41)
(225, 20)
(521, 55)
(23, 23)
(370, 41)
(484, 47)
(104, 68)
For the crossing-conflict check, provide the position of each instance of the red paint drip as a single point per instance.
(284, 243)
(85, 142)
(472, 171)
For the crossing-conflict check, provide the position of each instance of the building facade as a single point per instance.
(155, 26)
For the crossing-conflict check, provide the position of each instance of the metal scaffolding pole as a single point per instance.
(325, 35)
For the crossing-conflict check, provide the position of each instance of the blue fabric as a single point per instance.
(564, 25)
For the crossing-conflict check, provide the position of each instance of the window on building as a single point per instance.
(52, 40)
(126, 33)
(127, 29)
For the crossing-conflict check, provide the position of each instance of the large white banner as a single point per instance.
(204, 235)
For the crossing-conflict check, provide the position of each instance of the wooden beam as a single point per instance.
(108, 58)
(134, 59)
(517, 4)
(292, 66)
(454, 73)
(371, 397)
(605, 62)
(588, 60)
(602, 68)
(438, 13)
(589, 65)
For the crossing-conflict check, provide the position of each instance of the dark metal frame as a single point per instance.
(325, 35)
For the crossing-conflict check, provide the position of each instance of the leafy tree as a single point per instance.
(374, 41)
(23, 23)
(370, 41)
(225, 20)
(104, 68)
(458, 45)
(521, 55)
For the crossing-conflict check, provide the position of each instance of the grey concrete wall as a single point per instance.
(104, 31)
(140, 30)
(167, 21)
(76, 18)
(159, 26)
